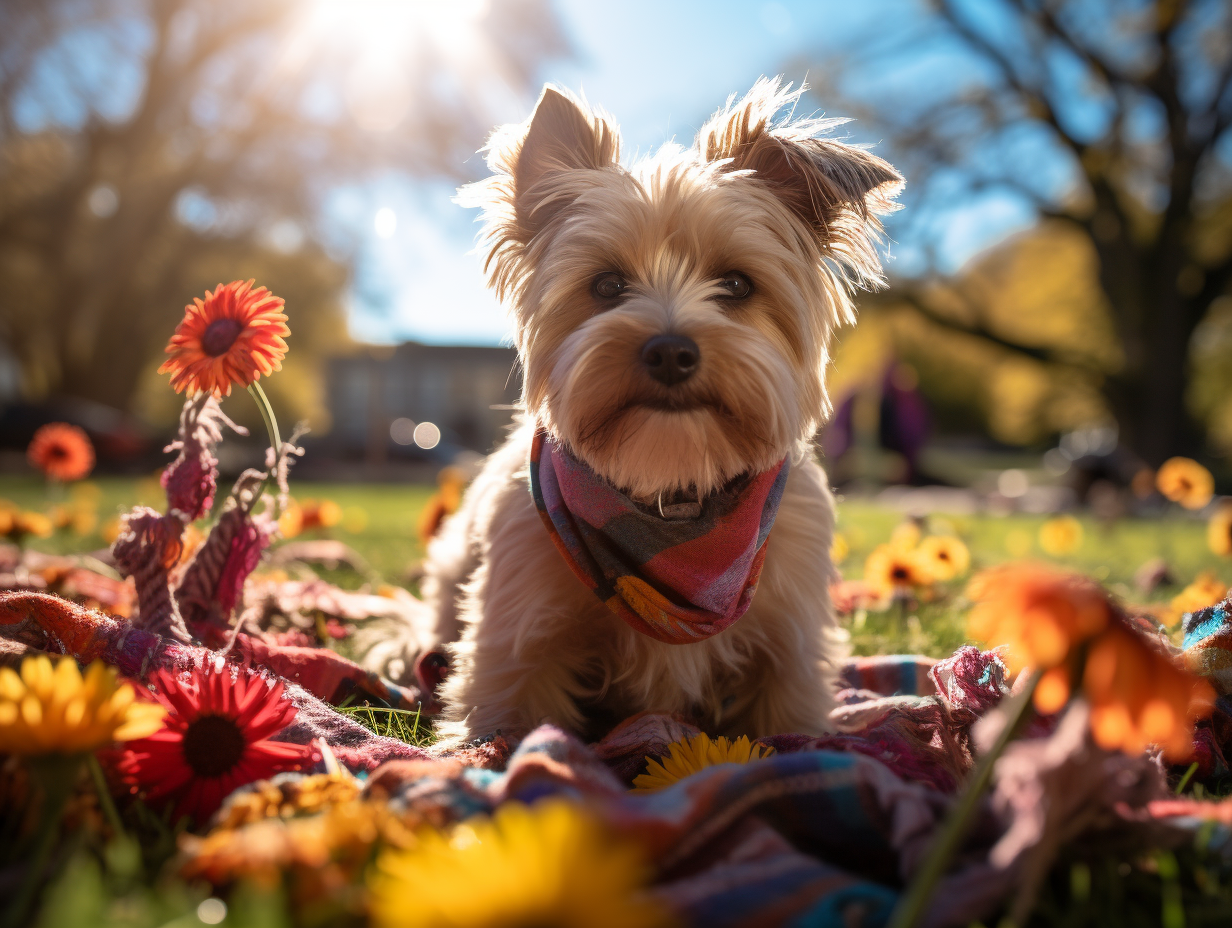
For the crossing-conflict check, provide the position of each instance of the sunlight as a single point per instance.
(381, 44)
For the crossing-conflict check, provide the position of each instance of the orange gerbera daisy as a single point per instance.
(233, 336)
(61, 451)
(1039, 614)
(1185, 481)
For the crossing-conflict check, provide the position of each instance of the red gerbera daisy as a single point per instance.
(214, 739)
(61, 451)
(233, 336)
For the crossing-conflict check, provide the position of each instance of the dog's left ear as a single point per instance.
(825, 182)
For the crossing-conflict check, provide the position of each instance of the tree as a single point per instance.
(1110, 118)
(144, 143)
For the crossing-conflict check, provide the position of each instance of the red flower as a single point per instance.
(61, 451)
(214, 740)
(233, 336)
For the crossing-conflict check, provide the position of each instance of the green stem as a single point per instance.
(911, 904)
(58, 776)
(267, 413)
(104, 796)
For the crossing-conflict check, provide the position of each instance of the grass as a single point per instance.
(380, 522)
(399, 724)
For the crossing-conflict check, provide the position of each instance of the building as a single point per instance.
(414, 398)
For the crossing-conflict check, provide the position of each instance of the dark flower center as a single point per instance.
(58, 451)
(900, 573)
(220, 335)
(213, 745)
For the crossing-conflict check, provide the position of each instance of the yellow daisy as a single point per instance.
(1219, 531)
(889, 569)
(839, 549)
(1060, 536)
(944, 556)
(287, 797)
(1185, 481)
(689, 755)
(548, 864)
(905, 537)
(1206, 590)
(50, 710)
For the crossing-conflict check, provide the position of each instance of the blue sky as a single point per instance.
(661, 67)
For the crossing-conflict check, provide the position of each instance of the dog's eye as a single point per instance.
(736, 286)
(609, 286)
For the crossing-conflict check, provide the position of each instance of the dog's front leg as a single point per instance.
(523, 653)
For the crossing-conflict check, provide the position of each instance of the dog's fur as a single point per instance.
(792, 210)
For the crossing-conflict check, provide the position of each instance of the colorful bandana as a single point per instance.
(675, 579)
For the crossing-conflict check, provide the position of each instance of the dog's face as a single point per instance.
(674, 317)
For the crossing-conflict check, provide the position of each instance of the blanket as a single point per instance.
(824, 832)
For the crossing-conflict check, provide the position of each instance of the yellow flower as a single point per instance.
(689, 755)
(944, 557)
(1185, 481)
(1060, 536)
(287, 797)
(889, 569)
(1206, 590)
(48, 710)
(839, 549)
(31, 523)
(905, 537)
(1219, 531)
(317, 855)
(548, 864)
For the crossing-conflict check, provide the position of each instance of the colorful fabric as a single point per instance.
(677, 579)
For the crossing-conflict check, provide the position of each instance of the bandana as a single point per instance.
(679, 577)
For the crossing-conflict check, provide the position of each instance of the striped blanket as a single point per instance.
(675, 576)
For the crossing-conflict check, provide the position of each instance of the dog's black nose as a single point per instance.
(671, 359)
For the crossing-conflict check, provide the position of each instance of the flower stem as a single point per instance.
(58, 776)
(104, 796)
(267, 413)
(911, 905)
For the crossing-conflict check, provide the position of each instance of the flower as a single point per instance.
(943, 557)
(1206, 590)
(839, 548)
(49, 710)
(232, 337)
(1138, 696)
(1185, 481)
(689, 755)
(443, 503)
(889, 569)
(61, 451)
(906, 536)
(286, 796)
(1060, 536)
(215, 738)
(1219, 531)
(319, 513)
(21, 524)
(548, 864)
(1038, 613)
(320, 854)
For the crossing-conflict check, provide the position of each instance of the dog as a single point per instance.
(655, 532)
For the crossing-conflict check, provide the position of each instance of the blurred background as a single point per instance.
(1057, 324)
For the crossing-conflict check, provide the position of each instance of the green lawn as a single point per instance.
(381, 523)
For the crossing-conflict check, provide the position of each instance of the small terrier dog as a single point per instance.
(673, 322)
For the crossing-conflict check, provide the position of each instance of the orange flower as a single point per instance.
(233, 336)
(61, 451)
(1038, 613)
(318, 513)
(1206, 590)
(1139, 696)
(1185, 481)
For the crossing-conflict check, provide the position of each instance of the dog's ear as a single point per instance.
(562, 136)
(826, 182)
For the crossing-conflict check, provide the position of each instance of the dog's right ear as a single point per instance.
(562, 136)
